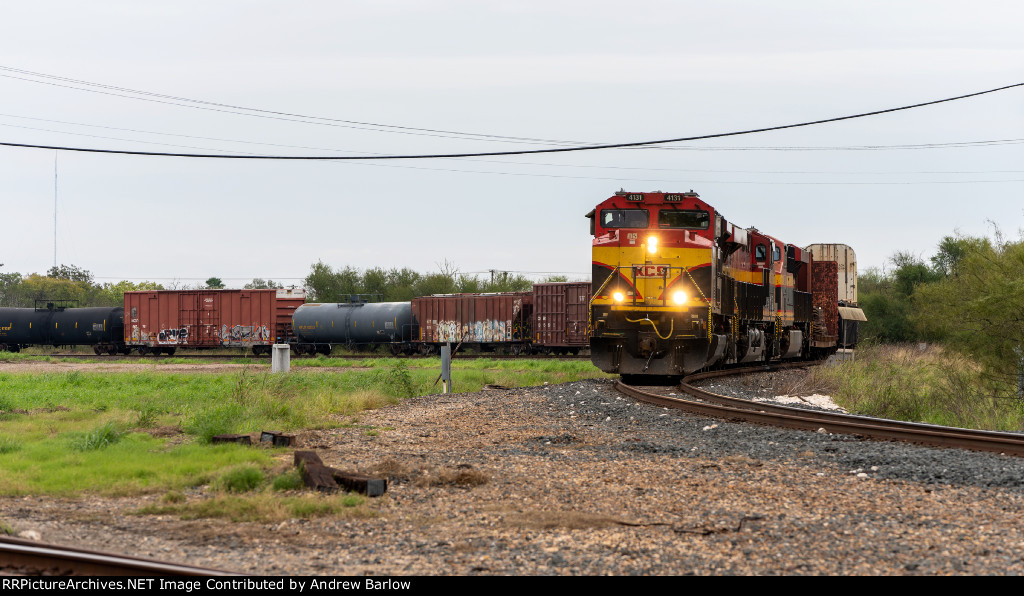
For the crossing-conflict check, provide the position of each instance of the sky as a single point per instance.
(405, 77)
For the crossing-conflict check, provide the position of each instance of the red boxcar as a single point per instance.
(161, 321)
(561, 316)
(484, 320)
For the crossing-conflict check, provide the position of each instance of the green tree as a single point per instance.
(11, 290)
(435, 283)
(42, 288)
(979, 308)
(214, 283)
(261, 284)
(320, 283)
(113, 294)
(401, 284)
(504, 281)
(375, 282)
(70, 272)
(327, 285)
(887, 298)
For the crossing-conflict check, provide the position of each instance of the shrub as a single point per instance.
(222, 420)
(8, 445)
(397, 379)
(290, 480)
(98, 438)
(241, 479)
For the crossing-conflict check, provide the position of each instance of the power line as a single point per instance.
(261, 113)
(904, 146)
(602, 167)
(520, 152)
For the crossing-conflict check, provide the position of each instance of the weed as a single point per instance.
(398, 378)
(215, 421)
(8, 445)
(241, 479)
(290, 480)
(98, 438)
(6, 528)
(173, 497)
(146, 416)
(241, 391)
(934, 385)
(264, 507)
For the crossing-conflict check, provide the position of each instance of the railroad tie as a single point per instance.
(324, 478)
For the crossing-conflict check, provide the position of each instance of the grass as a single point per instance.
(264, 507)
(74, 433)
(933, 385)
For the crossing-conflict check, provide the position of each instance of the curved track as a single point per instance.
(718, 406)
(35, 558)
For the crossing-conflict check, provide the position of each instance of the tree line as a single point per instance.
(344, 284)
(77, 287)
(969, 295)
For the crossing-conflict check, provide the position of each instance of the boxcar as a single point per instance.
(159, 322)
(486, 321)
(561, 317)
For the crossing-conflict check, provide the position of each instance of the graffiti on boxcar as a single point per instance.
(244, 333)
(171, 335)
(478, 331)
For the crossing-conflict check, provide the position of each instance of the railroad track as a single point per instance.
(154, 358)
(705, 403)
(19, 556)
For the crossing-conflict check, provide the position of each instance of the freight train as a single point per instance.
(550, 319)
(678, 288)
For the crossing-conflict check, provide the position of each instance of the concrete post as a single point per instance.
(446, 368)
(281, 358)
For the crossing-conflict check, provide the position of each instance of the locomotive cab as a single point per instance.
(654, 262)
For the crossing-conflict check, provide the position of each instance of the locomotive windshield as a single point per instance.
(625, 218)
(684, 219)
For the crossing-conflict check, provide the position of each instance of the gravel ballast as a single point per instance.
(576, 479)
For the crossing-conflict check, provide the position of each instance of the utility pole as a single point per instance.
(55, 154)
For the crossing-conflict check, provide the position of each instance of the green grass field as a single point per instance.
(79, 432)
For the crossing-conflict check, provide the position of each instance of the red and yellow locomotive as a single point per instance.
(677, 288)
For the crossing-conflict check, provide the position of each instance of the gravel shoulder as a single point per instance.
(576, 479)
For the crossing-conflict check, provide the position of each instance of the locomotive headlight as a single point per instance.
(652, 244)
(679, 297)
(619, 296)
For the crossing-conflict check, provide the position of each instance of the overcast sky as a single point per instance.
(552, 72)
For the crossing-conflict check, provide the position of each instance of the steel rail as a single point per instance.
(159, 358)
(731, 408)
(17, 552)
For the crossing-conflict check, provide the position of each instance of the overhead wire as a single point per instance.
(517, 152)
(612, 178)
(945, 145)
(262, 113)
